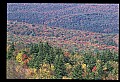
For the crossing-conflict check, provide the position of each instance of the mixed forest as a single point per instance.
(62, 41)
(39, 54)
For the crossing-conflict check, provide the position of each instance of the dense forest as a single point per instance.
(100, 18)
(62, 41)
(42, 61)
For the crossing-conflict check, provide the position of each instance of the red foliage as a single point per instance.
(94, 69)
(24, 56)
(26, 61)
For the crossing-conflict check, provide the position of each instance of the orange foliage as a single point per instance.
(66, 54)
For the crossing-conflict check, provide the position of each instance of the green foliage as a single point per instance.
(115, 57)
(89, 60)
(107, 55)
(35, 62)
(9, 54)
(77, 72)
(101, 56)
(12, 47)
(60, 69)
(41, 54)
(48, 53)
(10, 51)
(34, 48)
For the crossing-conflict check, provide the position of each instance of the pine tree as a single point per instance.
(10, 51)
(60, 69)
(34, 48)
(35, 62)
(40, 53)
(77, 72)
(12, 47)
(49, 54)
(31, 48)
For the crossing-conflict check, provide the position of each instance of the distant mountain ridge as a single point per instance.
(100, 18)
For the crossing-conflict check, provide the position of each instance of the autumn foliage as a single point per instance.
(54, 63)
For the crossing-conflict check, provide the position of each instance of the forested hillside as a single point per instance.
(42, 61)
(42, 52)
(71, 40)
(62, 41)
(100, 18)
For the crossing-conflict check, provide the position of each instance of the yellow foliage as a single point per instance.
(83, 66)
(44, 65)
(19, 57)
(68, 65)
(104, 68)
(34, 70)
(52, 67)
(40, 70)
(98, 61)
(37, 77)
(65, 77)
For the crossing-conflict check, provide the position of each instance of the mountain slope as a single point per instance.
(66, 38)
(100, 18)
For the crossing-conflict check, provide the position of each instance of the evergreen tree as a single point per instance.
(34, 48)
(50, 57)
(47, 51)
(35, 62)
(12, 47)
(49, 54)
(60, 69)
(40, 53)
(31, 48)
(89, 60)
(99, 70)
(116, 57)
(10, 51)
(108, 55)
(52, 53)
(77, 72)
(9, 54)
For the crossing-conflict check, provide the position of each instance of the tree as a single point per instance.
(31, 48)
(19, 57)
(50, 56)
(77, 72)
(9, 54)
(35, 62)
(108, 55)
(10, 51)
(34, 48)
(12, 47)
(89, 60)
(116, 57)
(89, 74)
(99, 69)
(22, 58)
(41, 52)
(47, 48)
(60, 69)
